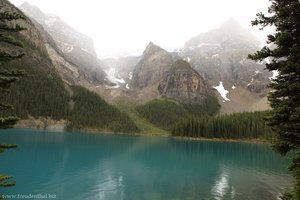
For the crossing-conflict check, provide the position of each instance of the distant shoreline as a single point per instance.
(262, 141)
(109, 132)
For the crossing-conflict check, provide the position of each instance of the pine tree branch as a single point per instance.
(10, 40)
(16, 28)
(9, 16)
(263, 21)
(12, 73)
(6, 81)
(5, 107)
(5, 183)
(8, 77)
(4, 178)
(5, 57)
(8, 122)
(8, 146)
(265, 52)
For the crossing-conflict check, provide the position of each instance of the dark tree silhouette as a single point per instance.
(7, 75)
(284, 98)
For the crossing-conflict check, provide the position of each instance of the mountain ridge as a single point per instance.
(72, 49)
(189, 79)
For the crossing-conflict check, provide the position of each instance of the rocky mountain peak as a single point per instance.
(149, 70)
(152, 49)
(229, 34)
(32, 8)
(185, 84)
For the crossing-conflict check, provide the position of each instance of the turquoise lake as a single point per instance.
(80, 166)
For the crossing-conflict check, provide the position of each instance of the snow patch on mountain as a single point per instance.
(187, 59)
(267, 60)
(130, 75)
(242, 62)
(222, 91)
(50, 21)
(68, 49)
(207, 44)
(252, 80)
(215, 56)
(85, 50)
(111, 75)
(112, 87)
(275, 74)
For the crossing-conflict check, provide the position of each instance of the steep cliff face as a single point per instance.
(68, 44)
(155, 62)
(184, 84)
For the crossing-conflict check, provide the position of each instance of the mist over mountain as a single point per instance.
(77, 48)
(211, 70)
(220, 56)
(65, 36)
(55, 92)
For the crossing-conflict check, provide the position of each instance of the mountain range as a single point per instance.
(220, 58)
(211, 70)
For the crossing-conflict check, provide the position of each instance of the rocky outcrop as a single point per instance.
(42, 123)
(155, 62)
(67, 71)
(258, 84)
(185, 84)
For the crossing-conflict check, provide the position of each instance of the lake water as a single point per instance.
(76, 166)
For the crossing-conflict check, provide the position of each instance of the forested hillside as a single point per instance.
(233, 126)
(166, 112)
(92, 112)
(41, 93)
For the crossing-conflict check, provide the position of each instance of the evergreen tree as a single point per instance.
(284, 98)
(8, 76)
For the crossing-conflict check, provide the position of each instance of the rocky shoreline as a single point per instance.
(42, 123)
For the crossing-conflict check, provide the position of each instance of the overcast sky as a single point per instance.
(129, 25)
